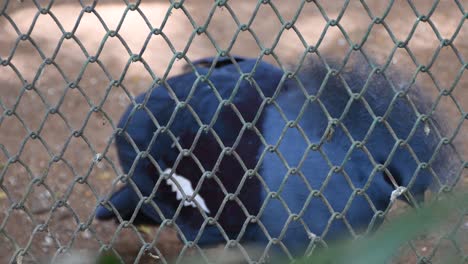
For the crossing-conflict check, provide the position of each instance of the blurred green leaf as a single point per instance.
(108, 259)
(381, 246)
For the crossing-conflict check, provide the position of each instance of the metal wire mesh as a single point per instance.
(56, 166)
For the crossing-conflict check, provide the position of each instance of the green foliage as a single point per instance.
(381, 246)
(108, 259)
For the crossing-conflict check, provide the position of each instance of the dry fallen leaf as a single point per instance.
(146, 229)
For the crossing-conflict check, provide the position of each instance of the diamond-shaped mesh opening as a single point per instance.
(73, 101)
(54, 123)
(54, 33)
(22, 108)
(87, 44)
(362, 110)
(28, 61)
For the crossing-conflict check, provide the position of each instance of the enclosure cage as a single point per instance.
(70, 68)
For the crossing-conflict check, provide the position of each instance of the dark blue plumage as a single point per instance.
(205, 106)
(275, 155)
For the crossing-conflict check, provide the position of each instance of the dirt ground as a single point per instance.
(36, 180)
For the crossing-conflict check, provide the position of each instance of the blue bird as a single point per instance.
(208, 112)
(246, 151)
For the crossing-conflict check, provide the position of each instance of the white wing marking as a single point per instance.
(186, 186)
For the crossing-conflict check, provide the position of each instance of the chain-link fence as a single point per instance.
(70, 68)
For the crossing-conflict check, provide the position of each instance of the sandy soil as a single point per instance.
(38, 182)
